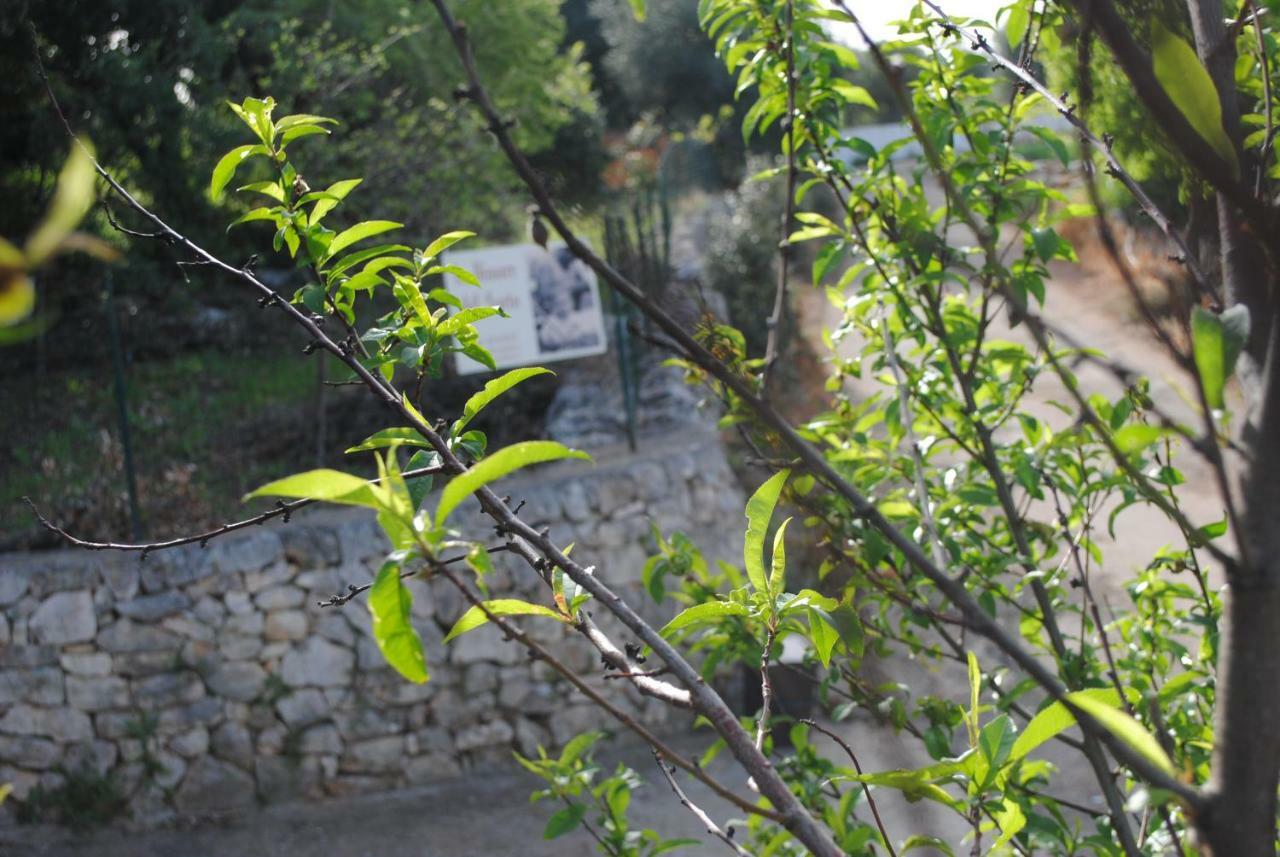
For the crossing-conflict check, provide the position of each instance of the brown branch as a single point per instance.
(282, 509)
(774, 322)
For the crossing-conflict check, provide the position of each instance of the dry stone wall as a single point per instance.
(209, 680)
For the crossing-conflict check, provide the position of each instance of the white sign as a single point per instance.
(551, 296)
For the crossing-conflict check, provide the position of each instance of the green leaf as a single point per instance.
(759, 511)
(456, 322)
(995, 741)
(578, 745)
(492, 390)
(462, 274)
(1137, 437)
(496, 466)
(476, 615)
(333, 486)
(778, 571)
(637, 9)
(1011, 819)
(1015, 26)
(227, 166)
(397, 639)
(701, 614)
(1190, 88)
(1055, 718)
(404, 436)
(329, 199)
(359, 232)
(564, 821)
(1216, 343)
(287, 122)
(444, 242)
(975, 694)
(823, 634)
(252, 216)
(1125, 728)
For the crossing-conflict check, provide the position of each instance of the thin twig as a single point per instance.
(282, 509)
(699, 813)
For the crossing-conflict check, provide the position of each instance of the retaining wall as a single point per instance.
(207, 680)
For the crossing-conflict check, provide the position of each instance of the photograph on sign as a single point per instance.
(551, 297)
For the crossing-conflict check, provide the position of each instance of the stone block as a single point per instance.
(27, 751)
(232, 742)
(126, 635)
(310, 547)
(281, 597)
(97, 693)
(88, 663)
(494, 733)
(38, 686)
(238, 680)
(61, 724)
(302, 708)
(64, 617)
(286, 625)
(152, 608)
(317, 663)
(374, 755)
(166, 689)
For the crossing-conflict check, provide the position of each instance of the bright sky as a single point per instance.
(876, 15)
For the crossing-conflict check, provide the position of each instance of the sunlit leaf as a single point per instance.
(359, 232)
(492, 390)
(444, 242)
(393, 631)
(759, 511)
(502, 462)
(701, 614)
(227, 165)
(1190, 88)
(333, 486)
(476, 615)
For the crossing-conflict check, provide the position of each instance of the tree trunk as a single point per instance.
(1239, 819)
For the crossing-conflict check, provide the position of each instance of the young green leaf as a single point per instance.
(778, 570)
(404, 436)
(564, 821)
(227, 166)
(1190, 88)
(1054, 718)
(327, 200)
(444, 242)
(333, 486)
(496, 466)
(759, 511)
(397, 639)
(456, 322)
(1124, 727)
(823, 634)
(1216, 343)
(476, 615)
(492, 390)
(701, 614)
(359, 232)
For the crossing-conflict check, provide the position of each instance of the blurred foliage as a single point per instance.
(742, 254)
(1146, 152)
(146, 80)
